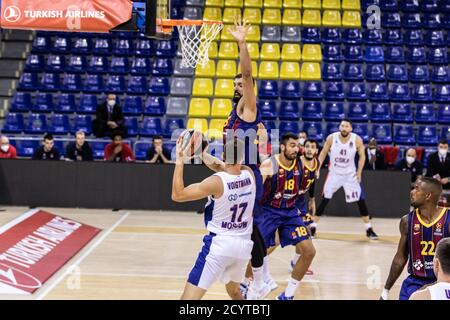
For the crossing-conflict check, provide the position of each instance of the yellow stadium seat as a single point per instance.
(252, 15)
(254, 69)
(224, 88)
(234, 3)
(199, 107)
(351, 19)
(275, 4)
(253, 50)
(226, 69)
(202, 88)
(230, 14)
(228, 50)
(214, 3)
(312, 18)
(212, 51)
(292, 17)
(216, 129)
(254, 34)
(290, 70)
(221, 108)
(206, 71)
(332, 4)
(225, 35)
(312, 4)
(198, 124)
(253, 3)
(268, 70)
(212, 13)
(272, 17)
(203, 35)
(351, 5)
(291, 52)
(312, 52)
(270, 51)
(310, 71)
(292, 4)
(331, 18)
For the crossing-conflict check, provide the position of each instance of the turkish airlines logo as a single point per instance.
(12, 14)
(17, 278)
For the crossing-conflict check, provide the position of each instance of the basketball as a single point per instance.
(196, 140)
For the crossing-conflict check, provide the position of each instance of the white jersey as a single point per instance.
(342, 155)
(232, 213)
(440, 291)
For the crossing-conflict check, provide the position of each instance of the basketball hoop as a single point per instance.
(196, 37)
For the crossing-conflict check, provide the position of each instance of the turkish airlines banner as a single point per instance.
(65, 15)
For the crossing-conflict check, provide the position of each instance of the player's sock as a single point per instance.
(291, 287)
(313, 225)
(368, 225)
(266, 268)
(296, 257)
(258, 278)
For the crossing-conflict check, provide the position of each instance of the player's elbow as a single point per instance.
(176, 197)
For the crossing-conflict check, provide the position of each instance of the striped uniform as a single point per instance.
(307, 186)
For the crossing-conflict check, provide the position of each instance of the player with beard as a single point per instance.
(342, 147)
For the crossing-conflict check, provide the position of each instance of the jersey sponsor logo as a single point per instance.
(416, 227)
(418, 265)
(416, 233)
(351, 144)
(233, 197)
(429, 265)
(277, 195)
(296, 172)
(438, 230)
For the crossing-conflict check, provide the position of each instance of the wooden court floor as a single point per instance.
(148, 254)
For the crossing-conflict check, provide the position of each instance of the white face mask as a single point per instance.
(302, 141)
(111, 103)
(443, 152)
(373, 151)
(5, 147)
(410, 160)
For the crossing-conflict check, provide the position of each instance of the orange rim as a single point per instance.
(169, 23)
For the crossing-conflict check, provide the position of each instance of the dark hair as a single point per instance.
(434, 185)
(312, 141)
(285, 137)
(48, 136)
(443, 254)
(443, 141)
(346, 120)
(157, 137)
(239, 76)
(114, 135)
(236, 148)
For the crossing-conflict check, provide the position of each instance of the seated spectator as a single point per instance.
(118, 151)
(7, 151)
(109, 119)
(410, 164)
(439, 164)
(158, 153)
(79, 150)
(302, 137)
(374, 157)
(47, 151)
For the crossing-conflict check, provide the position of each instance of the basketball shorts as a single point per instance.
(352, 188)
(303, 212)
(222, 258)
(411, 284)
(289, 224)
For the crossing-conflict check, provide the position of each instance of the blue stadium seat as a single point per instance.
(357, 111)
(155, 106)
(102, 46)
(434, 38)
(389, 5)
(352, 36)
(445, 6)
(98, 64)
(331, 35)
(402, 112)
(119, 65)
(332, 53)
(442, 93)
(150, 127)
(422, 93)
(172, 126)
(311, 35)
(429, 5)
(159, 86)
(425, 113)
(353, 53)
(82, 45)
(43, 103)
(71, 82)
(356, 91)
(312, 90)
(132, 126)
(35, 62)
(419, 73)
(416, 55)
(93, 83)
(372, 36)
(380, 112)
(374, 54)
(25, 148)
(397, 72)
(132, 105)
(268, 109)
(446, 24)
(115, 84)
(427, 135)
(98, 148)
(331, 127)
(399, 92)
(412, 20)
(378, 92)
(438, 55)
(123, 47)
(444, 133)
(444, 114)
(409, 6)
(382, 132)
(28, 81)
(313, 130)
(166, 48)
(440, 74)
(312, 110)
(391, 20)
(55, 63)
(13, 123)
(334, 91)
(331, 71)
(426, 155)
(76, 64)
(375, 72)
(137, 85)
(268, 89)
(37, 124)
(362, 130)
(66, 103)
(50, 82)
(41, 44)
(289, 126)
(140, 65)
(82, 122)
(393, 37)
(394, 54)
(21, 102)
(413, 37)
(162, 67)
(61, 44)
(290, 90)
(269, 125)
(334, 111)
(88, 103)
(145, 48)
(140, 151)
(59, 124)
(404, 134)
(289, 109)
(353, 72)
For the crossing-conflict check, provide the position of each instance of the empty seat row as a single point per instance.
(428, 6)
(296, 4)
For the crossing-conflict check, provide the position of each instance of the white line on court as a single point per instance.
(208, 292)
(69, 269)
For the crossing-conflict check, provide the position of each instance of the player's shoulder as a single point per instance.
(421, 295)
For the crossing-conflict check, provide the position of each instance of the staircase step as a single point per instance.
(18, 35)
(15, 49)
(11, 68)
(7, 87)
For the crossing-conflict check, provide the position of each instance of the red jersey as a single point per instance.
(126, 155)
(10, 154)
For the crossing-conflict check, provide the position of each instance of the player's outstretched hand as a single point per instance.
(240, 29)
(181, 153)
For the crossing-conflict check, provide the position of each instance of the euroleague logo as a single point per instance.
(12, 14)
(17, 278)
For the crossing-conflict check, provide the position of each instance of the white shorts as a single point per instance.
(222, 258)
(334, 182)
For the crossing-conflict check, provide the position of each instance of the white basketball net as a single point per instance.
(195, 42)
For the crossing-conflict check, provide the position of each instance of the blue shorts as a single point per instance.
(257, 208)
(302, 207)
(289, 224)
(411, 284)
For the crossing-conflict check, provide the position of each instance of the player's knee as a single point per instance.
(307, 251)
(234, 292)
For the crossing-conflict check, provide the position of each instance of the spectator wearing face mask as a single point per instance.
(439, 164)
(7, 151)
(302, 137)
(374, 158)
(109, 119)
(410, 164)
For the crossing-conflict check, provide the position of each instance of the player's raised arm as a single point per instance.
(325, 150)
(266, 169)
(362, 158)
(400, 258)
